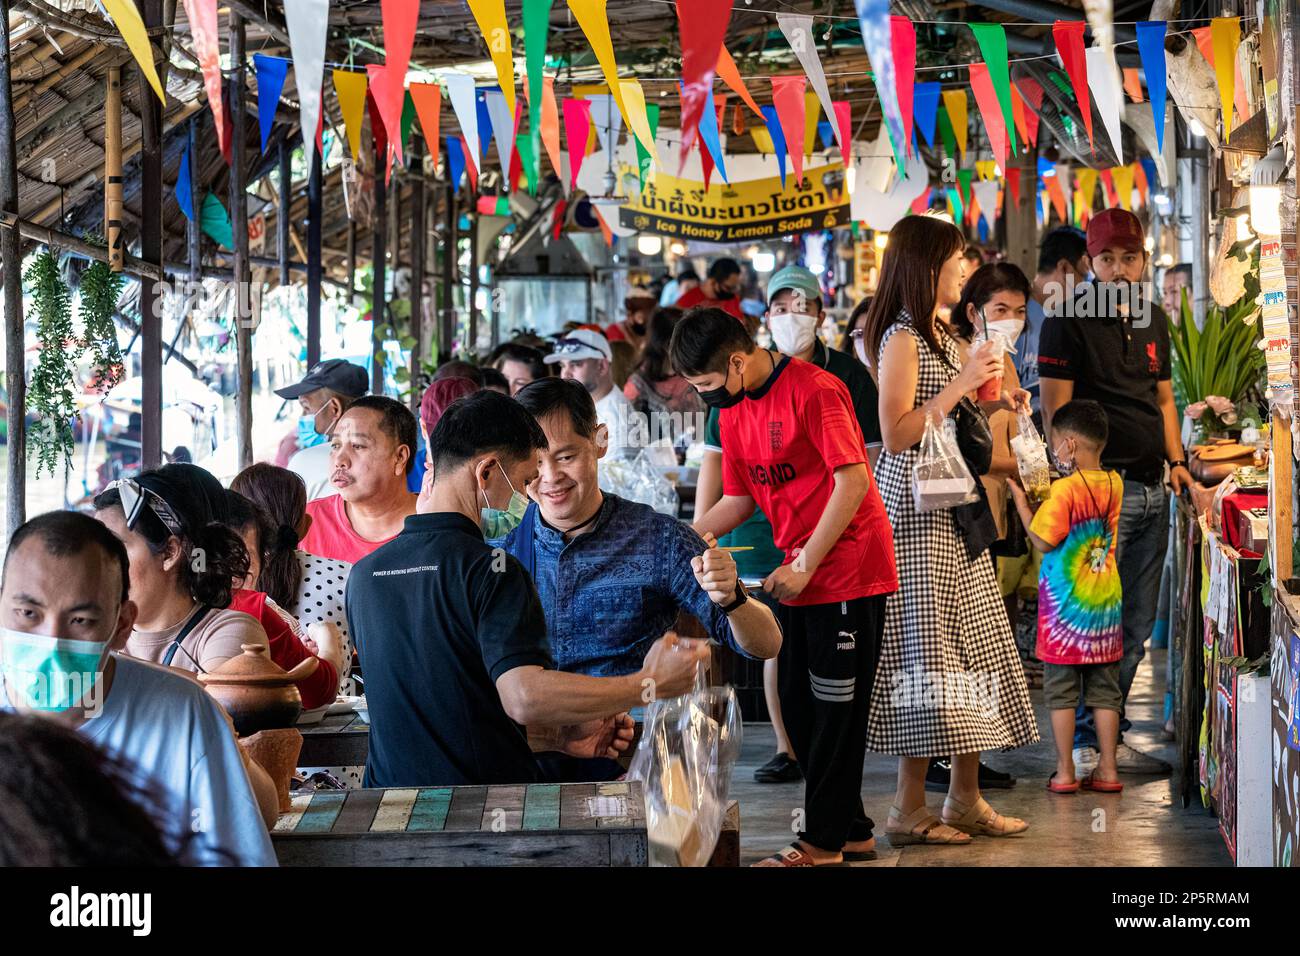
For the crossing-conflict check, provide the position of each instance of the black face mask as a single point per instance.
(720, 398)
(637, 327)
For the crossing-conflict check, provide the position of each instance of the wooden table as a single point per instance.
(340, 740)
(546, 824)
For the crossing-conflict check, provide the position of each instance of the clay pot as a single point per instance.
(256, 692)
(276, 751)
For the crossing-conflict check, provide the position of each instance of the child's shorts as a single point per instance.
(1019, 575)
(1098, 684)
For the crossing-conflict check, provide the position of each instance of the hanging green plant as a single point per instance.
(51, 389)
(101, 287)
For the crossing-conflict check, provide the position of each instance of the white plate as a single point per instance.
(313, 716)
(346, 705)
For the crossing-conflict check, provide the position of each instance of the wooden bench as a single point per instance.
(576, 824)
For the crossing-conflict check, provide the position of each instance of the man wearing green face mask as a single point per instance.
(64, 612)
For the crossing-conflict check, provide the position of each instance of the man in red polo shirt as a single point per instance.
(793, 447)
(720, 290)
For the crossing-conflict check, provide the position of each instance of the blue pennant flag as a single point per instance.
(778, 137)
(1153, 177)
(455, 161)
(271, 71)
(484, 123)
(709, 133)
(826, 134)
(1151, 47)
(184, 189)
(925, 108)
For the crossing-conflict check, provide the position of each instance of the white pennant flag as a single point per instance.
(882, 209)
(460, 90)
(606, 118)
(1103, 83)
(307, 21)
(798, 32)
(986, 194)
(503, 126)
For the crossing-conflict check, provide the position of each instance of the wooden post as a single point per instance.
(417, 268)
(352, 259)
(314, 264)
(239, 225)
(282, 216)
(151, 251)
(113, 169)
(193, 233)
(379, 300)
(11, 262)
(473, 280)
(447, 327)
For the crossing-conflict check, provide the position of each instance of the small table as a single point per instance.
(340, 740)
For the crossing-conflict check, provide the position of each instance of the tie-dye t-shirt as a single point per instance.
(1079, 604)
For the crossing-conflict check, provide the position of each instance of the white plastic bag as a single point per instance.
(642, 481)
(688, 749)
(940, 478)
(1031, 457)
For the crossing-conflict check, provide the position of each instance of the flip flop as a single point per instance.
(1055, 787)
(791, 856)
(859, 856)
(1090, 782)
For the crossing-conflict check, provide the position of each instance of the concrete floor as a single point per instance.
(1139, 827)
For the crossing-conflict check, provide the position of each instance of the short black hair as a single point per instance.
(548, 395)
(1084, 418)
(704, 338)
(688, 275)
(1183, 268)
(723, 269)
(514, 352)
(395, 420)
(68, 533)
(455, 368)
(492, 378)
(484, 421)
(1063, 242)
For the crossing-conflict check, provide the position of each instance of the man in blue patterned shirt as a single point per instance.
(613, 574)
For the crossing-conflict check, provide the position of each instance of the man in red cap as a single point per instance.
(1111, 344)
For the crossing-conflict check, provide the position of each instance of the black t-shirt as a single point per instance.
(1119, 363)
(862, 388)
(437, 616)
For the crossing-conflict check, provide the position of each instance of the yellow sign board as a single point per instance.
(742, 211)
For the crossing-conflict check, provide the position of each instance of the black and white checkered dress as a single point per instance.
(949, 680)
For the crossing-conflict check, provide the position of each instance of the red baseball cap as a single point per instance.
(1113, 228)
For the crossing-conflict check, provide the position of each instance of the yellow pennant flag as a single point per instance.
(954, 101)
(350, 87)
(986, 169)
(812, 112)
(1122, 177)
(1086, 180)
(126, 16)
(490, 15)
(762, 139)
(637, 121)
(594, 22)
(1225, 37)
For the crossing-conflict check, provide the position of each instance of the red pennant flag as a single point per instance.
(516, 155)
(1112, 196)
(844, 117)
(377, 131)
(788, 97)
(1032, 92)
(1204, 44)
(921, 203)
(1013, 183)
(902, 41)
(471, 164)
(706, 161)
(560, 208)
(702, 24)
(427, 98)
(1069, 44)
(987, 101)
(400, 18)
(1140, 180)
(202, 15)
(577, 127)
(388, 106)
(1018, 111)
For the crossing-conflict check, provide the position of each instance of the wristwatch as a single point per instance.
(742, 595)
(1180, 463)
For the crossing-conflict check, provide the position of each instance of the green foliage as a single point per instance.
(100, 288)
(51, 393)
(1222, 357)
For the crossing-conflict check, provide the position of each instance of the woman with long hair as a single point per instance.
(653, 388)
(945, 628)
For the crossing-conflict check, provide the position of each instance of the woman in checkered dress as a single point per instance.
(949, 681)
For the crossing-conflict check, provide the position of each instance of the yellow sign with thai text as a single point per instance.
(742, 211)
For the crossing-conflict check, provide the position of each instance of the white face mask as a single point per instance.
(793, 333)
(1010, 328)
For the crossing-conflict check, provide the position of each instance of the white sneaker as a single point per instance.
(1085, 760)
(1128, 760)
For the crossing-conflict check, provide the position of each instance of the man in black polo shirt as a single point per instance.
(459, 677)
(1110, 344)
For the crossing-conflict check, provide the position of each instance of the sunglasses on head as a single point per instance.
(568, 346)
(135, 498)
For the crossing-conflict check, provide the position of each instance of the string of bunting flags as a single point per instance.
(789, 128)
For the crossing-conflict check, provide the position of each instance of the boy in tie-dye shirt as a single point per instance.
(1080, 631)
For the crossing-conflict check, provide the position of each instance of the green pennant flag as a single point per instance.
(946, 134)
(644, 161)
(408, 117)
(954, 200)
(992, 39)
(537, 23)
(963, 183)
(215, 221)
(526, 143)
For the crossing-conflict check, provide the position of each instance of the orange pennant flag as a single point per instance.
(1018, 113)
(731, 76)
(427, 98)
(1140, 181)
(1058, 197)
(1133, 84)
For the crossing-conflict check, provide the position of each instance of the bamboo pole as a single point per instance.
(315, 213)
(151, 251)
(379, 300)
(417, 269)
(15, 373)
(113, 170)
(239, 225)
(447, 327)
(282, 220)
(193, 232)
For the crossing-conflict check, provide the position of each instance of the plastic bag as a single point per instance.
(642, 481)
(940, 478)
(1031, 457)
(688, 748)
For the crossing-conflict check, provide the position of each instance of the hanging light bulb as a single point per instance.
(1266, 193)
(649, 245)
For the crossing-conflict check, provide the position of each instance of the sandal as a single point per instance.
(1090, 782)
(858, 856)
(792, 855)
(1055, 787)
(922, 827)
(981, 819)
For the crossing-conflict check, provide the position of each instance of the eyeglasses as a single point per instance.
(134, 499)
(569, 346)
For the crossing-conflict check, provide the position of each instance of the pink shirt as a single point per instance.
(331, 534)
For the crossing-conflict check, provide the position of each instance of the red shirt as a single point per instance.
(696, 297)
(781, 446)
(287, 650)
(331, 534)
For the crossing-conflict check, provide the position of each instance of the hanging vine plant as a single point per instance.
(100, 288)
(51, 389)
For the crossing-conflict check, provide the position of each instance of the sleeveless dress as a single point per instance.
(949, 680)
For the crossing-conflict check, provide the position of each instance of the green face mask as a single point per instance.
(497, 523)
(50, 674)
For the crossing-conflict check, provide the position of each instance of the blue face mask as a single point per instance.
(497, 523)
(47, 673)
(307, 434)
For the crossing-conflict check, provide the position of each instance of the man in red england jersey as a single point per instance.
(793, 447)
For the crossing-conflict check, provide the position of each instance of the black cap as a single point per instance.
(338, 375)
